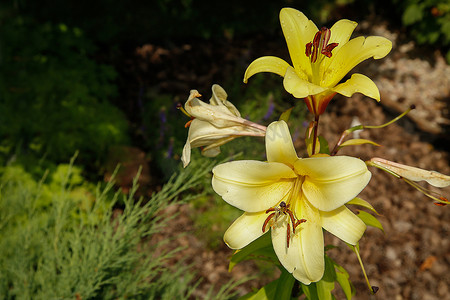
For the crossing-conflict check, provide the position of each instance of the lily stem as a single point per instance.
(372, 289)
(360, 127)
(316, 129)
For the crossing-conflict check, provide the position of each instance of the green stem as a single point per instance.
(360, 127)
(373, 289)
(316, 126)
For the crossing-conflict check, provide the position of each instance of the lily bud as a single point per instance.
(414, 174)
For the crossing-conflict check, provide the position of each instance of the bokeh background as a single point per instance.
(103, 79)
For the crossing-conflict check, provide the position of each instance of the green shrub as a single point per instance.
(53, 247)
(53, 95)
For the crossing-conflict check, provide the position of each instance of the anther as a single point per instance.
(320, 44)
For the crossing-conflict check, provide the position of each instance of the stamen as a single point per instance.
(282, 208)
(320, 44)
(188, 123)
(180, 107)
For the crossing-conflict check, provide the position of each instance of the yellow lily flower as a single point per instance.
(321, 58)
(214, 124)
(294, 197)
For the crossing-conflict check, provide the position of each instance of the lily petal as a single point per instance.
(219, 97)
(358, 83)
(332, 181)
(252, 186)
(202, 133)
(341, 32)
(213, 149)
(298, 31)
(300, 87)
(344, 224)
(269, 64)
(186, 156)
(245, 229)
(352, 53)
(305, 256)
(279, 146)
(218, 115)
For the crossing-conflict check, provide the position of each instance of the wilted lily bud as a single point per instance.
(215, 124)
(411, 175)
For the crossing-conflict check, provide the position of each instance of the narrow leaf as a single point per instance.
(355, 142)
(324, 289)
(285, 285)
(323, 145)
(363, 203)
(261, 247)
(286, 114)
(326, 284)
(267, 292)
(342, 278)
(370, 220)
(310, 291)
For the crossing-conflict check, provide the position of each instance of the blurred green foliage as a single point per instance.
(428, 21)
(53, 95)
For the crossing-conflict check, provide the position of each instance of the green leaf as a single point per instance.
(280, 289)
(324, 289)
(342, 278)
(285, 285)
(310, 291)
(412, 14)
(370, 220)
(330, 273)
(356, 142)
(323, 145)
(326, 284)
(286, 114)
(266, 292)
(261, 247)
(363, 203)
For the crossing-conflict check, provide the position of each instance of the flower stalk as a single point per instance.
(361, 127)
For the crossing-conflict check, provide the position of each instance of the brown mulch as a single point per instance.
(411, 259)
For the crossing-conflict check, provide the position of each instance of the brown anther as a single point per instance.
(327, 50)
(188, 123)
(308, 49)
(320, 45)
(283, 208)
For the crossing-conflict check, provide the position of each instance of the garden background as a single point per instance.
(101, 80)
